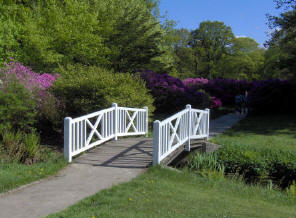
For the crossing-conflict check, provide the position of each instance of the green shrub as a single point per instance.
(32, 146)
(17, 107)
(20, 147)
(12, 147)
(206, 161)
(259, 164)
(88, 89)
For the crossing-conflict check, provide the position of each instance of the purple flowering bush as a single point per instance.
(195, 83)
(224, 89)
(171, 94)
(273, 96)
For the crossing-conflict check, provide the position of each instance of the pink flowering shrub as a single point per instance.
(30, 79)
(215, 102)
(195, 83)
(38, 85)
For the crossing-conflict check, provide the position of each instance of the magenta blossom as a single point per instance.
(30, 79)
(215, 102)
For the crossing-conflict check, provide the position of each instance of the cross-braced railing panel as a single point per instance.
(132, 121)
(199, 124)
(85, 132)
(177, 130)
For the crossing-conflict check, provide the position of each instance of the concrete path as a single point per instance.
(222, 123)
(111, 163)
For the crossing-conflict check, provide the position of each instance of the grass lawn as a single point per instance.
(13, 175)
(272, 131)
(169, 193)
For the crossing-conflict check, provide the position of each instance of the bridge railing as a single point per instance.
(83, 133)
(177, 130)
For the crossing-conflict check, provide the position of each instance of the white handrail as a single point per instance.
(177, 130)
(82, 133)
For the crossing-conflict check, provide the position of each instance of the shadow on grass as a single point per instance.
(265, 125)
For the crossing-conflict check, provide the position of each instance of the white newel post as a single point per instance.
(208, 123)
(156, 129)
(188, 106)
(67, 138)
(146, 120)
(114, 105)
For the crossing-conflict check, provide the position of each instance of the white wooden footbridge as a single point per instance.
(86, 132)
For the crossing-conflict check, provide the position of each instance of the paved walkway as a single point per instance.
(111, 163)
(222, 123)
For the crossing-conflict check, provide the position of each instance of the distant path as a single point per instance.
(111, 163)
(223, 123)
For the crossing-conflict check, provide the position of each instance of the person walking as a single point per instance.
(238, 103)
(245, 103)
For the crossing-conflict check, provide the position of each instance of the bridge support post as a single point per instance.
(146, 120)
(188, 106)
(115, 121)
(208, 123)
(68, 138)
(156, 134)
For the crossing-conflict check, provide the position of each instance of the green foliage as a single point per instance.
(31, 143)
(10, 31)
(136, 37)
(17, 107)
(244, 61)
(291, 190)
(184, 59)
(283, 38)
(96, 89)
(206, 161)
(261, 148)
(20, 147)
(123, 35)
(210, 42)
(58, 32)
(212, 51)
(50, 115)
(259, 164)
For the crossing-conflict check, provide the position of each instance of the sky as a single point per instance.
(245, 17)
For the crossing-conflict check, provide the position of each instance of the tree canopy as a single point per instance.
(283, 40)
(122, 35)
(130, 35)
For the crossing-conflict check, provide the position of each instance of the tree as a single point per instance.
(116, 34)
(210, 42)
(135, 39)
(244, 60)
(183, 53)
(283, 38)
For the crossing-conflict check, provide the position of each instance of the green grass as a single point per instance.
(13, 175)
(168, 193)
(270, 131)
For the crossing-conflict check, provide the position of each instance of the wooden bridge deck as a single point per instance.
(133, 152)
